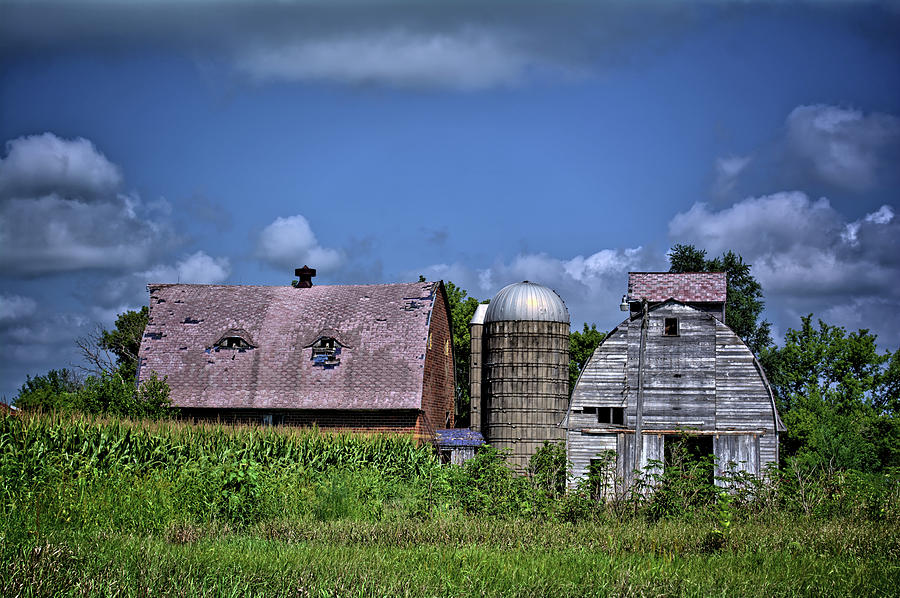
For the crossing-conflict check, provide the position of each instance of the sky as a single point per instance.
(482, 143)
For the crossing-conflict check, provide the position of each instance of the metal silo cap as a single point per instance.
(527, 301)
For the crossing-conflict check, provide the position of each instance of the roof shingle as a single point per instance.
(382, 330)
(689, 287)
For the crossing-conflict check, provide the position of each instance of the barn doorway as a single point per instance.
(690, 454)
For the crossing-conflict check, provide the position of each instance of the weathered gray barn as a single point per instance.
(519, 370)
(672, 369)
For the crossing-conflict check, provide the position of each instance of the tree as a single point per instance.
(124, 342)
(462, 308)
(837, 396)
(112, 386)
(687, 258)
(54, 390)
(744, 304)
(581, 347)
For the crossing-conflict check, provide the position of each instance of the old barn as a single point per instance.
(672, 370)
(359, 357)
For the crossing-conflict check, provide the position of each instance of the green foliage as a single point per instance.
(462, 308)
(113, 389)
(549, 468)
(837, 396)
(744, 304)
(89, 505)
(108, 393)
(581, 347)
(486, 485)
(54, 390)
(685, 485)
(125, 340)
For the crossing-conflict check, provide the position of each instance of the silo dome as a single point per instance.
(527, 301)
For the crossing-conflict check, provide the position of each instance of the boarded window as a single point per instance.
(670, 327)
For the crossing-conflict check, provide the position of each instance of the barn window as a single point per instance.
(271, 419)
(670, 327)
(611, 415)
(607, 415)
(233, 342)
(326, 352)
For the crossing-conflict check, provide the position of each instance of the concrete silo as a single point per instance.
(520, 369)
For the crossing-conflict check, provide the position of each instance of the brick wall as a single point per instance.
(403, 421)
(439, 389)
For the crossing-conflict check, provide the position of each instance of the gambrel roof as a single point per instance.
(688, 287)
(381, 334)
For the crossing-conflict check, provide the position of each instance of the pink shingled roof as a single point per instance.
(383, 330)
(696, 287)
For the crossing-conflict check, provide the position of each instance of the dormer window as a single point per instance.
(233, 342)
(670, 327)
(326, 352)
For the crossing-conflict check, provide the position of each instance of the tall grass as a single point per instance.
(94, 506)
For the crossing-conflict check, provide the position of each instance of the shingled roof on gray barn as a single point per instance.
(687, 287)
(382, 331)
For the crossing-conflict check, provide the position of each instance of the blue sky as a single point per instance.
(482, 143)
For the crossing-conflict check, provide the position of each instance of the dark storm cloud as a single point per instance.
(61, 210)
(38, 165)
(450, 45)
(843, 146)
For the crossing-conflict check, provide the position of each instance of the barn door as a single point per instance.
(652, 455)
(735, 453)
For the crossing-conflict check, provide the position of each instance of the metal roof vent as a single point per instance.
(527, 301)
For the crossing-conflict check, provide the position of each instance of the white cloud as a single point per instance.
(808, 257)
(760, 225)
(466, 59)
(290, 243)
(15, 307)
(841, 145)
(197, 268)
(45, 164)
(591, 286)
(883, 215)
(603, 263)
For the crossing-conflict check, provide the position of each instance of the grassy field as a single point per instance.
(94, 507)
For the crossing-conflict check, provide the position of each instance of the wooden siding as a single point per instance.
(705, 380)
(583, 448)
(679, 375)
(736, 453)
(653, 449)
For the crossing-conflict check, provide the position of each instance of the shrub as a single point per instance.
(549, 469)
(56, 389)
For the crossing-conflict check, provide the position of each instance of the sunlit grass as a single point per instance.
(109, 507)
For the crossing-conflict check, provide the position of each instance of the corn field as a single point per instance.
(30, 444)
